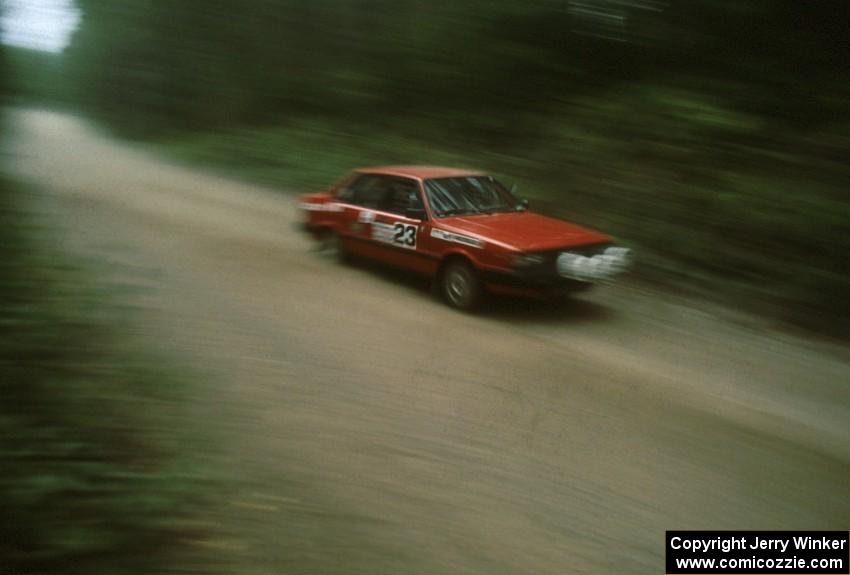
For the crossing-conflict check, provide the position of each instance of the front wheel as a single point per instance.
(460, 285)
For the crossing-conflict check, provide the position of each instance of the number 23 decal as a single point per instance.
(404, 235)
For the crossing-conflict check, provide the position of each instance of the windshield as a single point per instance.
(468, 195)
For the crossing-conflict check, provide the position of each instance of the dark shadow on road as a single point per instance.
(565, 309)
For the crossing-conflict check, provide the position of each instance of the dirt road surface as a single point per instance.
(369, 429)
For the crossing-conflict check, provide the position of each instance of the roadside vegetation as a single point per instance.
(98, 474)
(710, 135)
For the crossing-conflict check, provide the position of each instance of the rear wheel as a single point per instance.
(460, 285)
(330, 244)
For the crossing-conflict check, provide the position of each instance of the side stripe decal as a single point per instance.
(456, 238)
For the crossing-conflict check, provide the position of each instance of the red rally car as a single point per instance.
(462, 228)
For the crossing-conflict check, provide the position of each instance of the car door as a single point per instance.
(359, 202)
(400, 227)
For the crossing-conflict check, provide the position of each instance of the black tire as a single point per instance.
(460, 286)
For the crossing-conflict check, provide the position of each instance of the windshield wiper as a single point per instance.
(457, 212)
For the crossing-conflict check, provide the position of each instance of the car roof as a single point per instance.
(420, 172)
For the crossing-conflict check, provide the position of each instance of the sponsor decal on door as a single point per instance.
(399, 234)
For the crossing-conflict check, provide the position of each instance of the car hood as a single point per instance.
(524, 231)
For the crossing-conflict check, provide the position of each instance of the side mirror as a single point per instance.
(522, 203)
(416, 214)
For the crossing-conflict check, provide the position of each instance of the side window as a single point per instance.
(345, 194)
(403, 195)
(368, 191)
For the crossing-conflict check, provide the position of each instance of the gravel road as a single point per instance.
(367, 428)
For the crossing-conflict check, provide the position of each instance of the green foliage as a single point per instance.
(306, 154)
(4, 73)
(156, 65)
(37, 77)
(94, 474)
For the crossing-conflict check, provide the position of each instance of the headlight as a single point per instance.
(527, 260)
